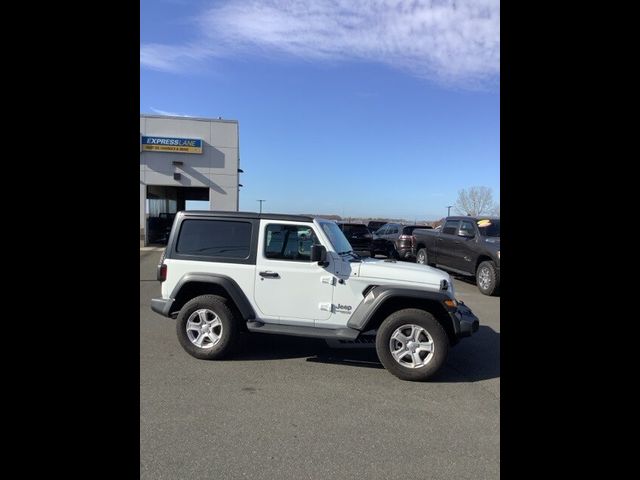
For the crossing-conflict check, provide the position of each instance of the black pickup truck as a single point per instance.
(465, 245)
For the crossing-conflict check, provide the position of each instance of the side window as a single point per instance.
(467, 227)
(382, 230)
(393, 229)
(214, 238)
(450, 227)
(289, 242)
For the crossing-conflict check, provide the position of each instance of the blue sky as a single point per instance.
(356, 108)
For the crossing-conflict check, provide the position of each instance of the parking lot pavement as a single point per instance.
(286, 407)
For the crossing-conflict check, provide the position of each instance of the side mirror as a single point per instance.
(319, 254)
(465, 234)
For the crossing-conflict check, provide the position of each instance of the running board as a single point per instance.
(311, 332)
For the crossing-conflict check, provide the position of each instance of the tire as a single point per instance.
(372, 254)
(392, 253)
(487, 278)
(409, 322)
(421, 256)
(222, 328)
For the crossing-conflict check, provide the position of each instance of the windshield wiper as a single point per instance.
(355, 256)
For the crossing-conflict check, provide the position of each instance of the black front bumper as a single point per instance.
(161, 305)
(465, 322)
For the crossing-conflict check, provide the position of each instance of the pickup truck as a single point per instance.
(465, 245)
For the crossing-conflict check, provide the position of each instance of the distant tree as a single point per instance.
(475, 201)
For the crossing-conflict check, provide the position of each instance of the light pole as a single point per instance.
(449, 210)
(261, 204)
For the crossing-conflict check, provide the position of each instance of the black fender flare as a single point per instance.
(228, 283)
(377, 296)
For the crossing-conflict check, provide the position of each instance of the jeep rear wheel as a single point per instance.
(206, 328)
(412, 344)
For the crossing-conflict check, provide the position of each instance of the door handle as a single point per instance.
(269, 274)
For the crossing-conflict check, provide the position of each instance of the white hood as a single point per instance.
(403, 273)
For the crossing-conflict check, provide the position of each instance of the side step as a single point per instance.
(311, 332)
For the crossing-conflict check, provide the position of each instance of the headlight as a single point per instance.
(498, 253)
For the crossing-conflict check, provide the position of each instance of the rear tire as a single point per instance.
(412, 344)
(206, 328)
(487, 278)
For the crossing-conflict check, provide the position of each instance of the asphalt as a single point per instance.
(292, 408)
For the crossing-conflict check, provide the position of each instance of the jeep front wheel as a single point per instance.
(206, 328)
(412, 344)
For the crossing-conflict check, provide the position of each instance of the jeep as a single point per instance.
(224, 273)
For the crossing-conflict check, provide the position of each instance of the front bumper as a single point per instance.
(464, 321)
(161, 305)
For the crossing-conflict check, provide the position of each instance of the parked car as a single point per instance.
(359, 236)
(375, 225)
(466, 245)
(223, 273)
(395, 241)
(158, 228)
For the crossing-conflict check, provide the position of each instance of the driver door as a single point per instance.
(289, 288)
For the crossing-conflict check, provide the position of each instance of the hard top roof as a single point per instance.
(268, 216)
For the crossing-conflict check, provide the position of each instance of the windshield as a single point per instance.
(489, 228)
(336, 237)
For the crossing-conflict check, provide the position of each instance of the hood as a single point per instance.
(402, 273)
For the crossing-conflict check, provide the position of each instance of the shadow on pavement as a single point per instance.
(470, 281)
(473, 359)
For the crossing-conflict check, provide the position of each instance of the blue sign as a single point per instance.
(170, 144)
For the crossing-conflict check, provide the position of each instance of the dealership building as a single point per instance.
(182, 160)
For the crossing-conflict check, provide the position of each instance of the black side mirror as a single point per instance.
(319, 254)
(466, 234)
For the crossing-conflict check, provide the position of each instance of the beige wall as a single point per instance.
(216, 168)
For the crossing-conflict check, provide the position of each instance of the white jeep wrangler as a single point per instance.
(223, 272)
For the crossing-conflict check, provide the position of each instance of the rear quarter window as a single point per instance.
(214, 238)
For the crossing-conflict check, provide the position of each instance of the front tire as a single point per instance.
(487, 278)
(411, 344)
(206, 328)
(421, 256)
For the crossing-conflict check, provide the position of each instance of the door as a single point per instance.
(379, 240)
(446, 244)
(465, 248)
(390, 237)
(289, 288)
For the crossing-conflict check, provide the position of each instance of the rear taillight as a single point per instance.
(162, 272)
(408, 238)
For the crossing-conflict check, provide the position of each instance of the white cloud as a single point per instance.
(450, 41)
(172, 58)
(170, 114)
